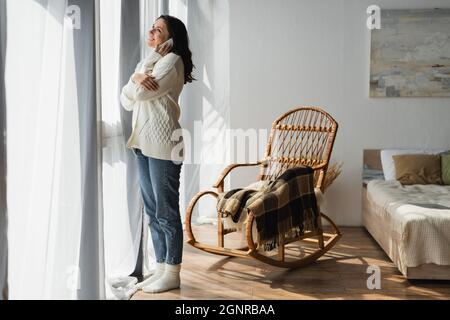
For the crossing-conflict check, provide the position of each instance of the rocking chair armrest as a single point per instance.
(228, 169)
(319, 167)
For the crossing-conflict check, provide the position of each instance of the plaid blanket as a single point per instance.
(286, 206)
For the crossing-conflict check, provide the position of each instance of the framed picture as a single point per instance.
(410, 54)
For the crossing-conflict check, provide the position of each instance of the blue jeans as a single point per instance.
(159, 183)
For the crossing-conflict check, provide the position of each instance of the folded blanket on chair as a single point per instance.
(286, 206)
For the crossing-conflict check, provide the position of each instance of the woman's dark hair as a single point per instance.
(178, 32)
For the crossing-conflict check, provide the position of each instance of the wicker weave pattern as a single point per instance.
(303, 136)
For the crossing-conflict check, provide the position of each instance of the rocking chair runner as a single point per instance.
(303, 136)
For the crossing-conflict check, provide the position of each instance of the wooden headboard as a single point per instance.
(372, 159)
(372, 168)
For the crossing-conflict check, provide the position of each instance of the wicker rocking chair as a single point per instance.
(303, 136)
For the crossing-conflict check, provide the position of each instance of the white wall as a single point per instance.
(304, 52)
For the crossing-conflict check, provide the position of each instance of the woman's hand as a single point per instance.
(163, 48)
(145, 80)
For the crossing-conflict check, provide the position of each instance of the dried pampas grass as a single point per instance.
(333, 171)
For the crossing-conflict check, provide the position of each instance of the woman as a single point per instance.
(152, 94)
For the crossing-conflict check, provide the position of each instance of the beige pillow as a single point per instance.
(418, 168)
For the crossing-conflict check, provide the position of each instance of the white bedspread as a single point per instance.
(420, 214)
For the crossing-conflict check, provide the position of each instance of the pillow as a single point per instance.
(418, 169)
(445, 168)
(387, 163)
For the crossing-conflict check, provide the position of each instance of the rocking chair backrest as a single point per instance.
(303, 136)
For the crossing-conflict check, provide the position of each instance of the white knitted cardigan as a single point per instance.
(156, 129)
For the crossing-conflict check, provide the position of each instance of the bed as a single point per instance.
(411, 223)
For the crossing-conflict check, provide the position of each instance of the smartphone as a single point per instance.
(167, 42)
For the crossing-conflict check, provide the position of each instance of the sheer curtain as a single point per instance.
(74, 223)
(122, 216)
(128, 248)
(55, 225)
(120, 52)
(3, 211)
(67, 236)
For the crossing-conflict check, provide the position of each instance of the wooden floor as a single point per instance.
(340, 274)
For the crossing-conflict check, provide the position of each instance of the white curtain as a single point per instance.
(3, 208)
(64, 240)
(128, 248)
(55, 227)
(121, 202)
(60, 223)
